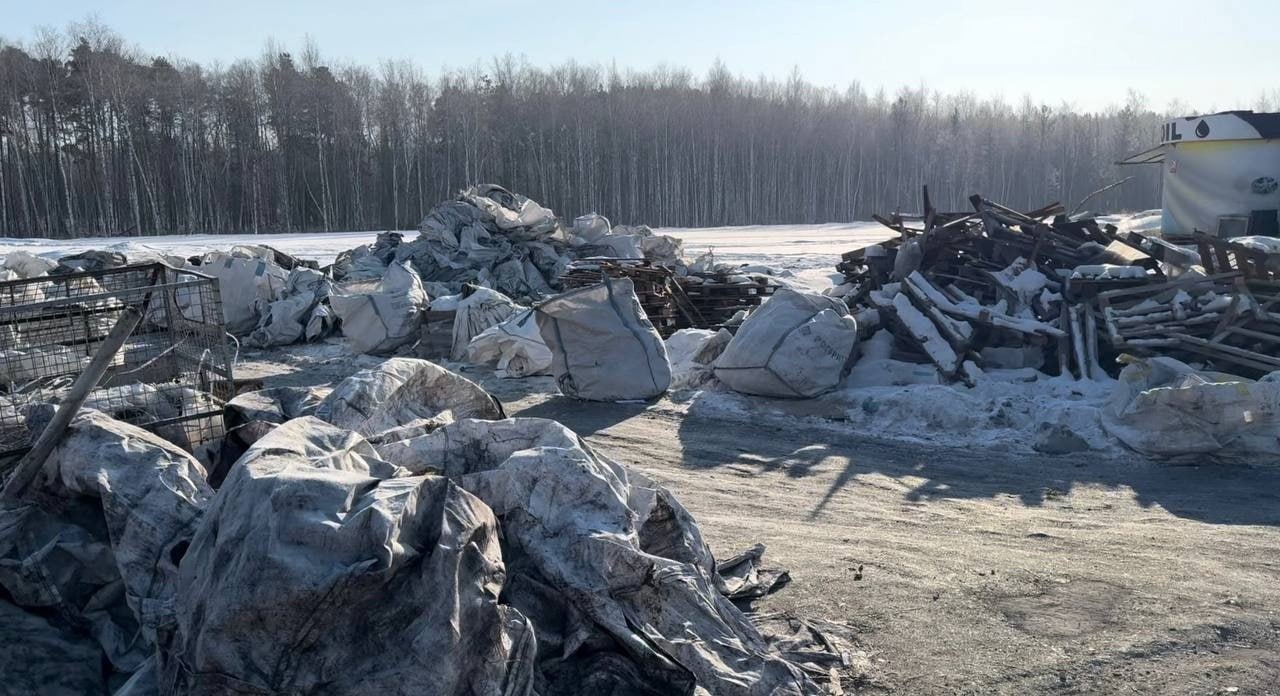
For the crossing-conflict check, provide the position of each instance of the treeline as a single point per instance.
(96, 139)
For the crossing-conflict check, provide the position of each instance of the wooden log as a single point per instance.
(1091, 342)
(1077, 343)
(982, 315)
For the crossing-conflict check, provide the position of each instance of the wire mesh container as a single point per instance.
(172, 376)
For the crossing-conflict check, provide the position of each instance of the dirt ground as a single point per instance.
(961, 571)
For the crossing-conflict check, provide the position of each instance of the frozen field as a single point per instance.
(795, 247)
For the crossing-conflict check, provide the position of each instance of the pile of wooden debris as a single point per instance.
(1000, 288)
(700, 299)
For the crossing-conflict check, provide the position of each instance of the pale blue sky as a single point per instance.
(1208, 54)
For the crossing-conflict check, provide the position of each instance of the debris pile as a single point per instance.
(998, 288)
(719, 293)
(403, 502)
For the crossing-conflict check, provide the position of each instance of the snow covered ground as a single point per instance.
(788, 246)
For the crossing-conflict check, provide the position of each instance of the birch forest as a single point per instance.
(97, 138)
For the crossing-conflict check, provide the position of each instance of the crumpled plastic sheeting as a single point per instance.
(105, 563)
(273, 405)
(405, 396)
(19, 365)
(250, 416)
(103, 259)
(41, 658)
(491, 237)
(378, 318)
(693, 353)
(288, 319)
(476, 313)
(795, 345)
(611, 568)
(313, 572)
(367, 262)
(745, 579)
(510, 211)
(603, 346)
(663, 250)
(515, 345)
(24, 264)
(1165, 408)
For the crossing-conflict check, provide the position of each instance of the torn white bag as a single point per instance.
(242, 283)
(515, 345)
(1165, 408)
(590, 228)
(693, 353)
(477, 312)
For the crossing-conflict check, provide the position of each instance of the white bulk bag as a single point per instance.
(603, 346)
(245, 286)
(476, 313)
(381, 318)
(795, 345)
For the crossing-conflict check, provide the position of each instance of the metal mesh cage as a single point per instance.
(172, 376)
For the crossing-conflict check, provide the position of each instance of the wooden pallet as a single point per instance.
(1222, 256)
(717, 300)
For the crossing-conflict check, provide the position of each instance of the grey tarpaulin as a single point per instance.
(104, 563)
(273, 405)
(602, 345)
(794, 345)
(250, 416)
(317, 570)
(42, 658)
(405, 392)
(611, 568)
(380, 317)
